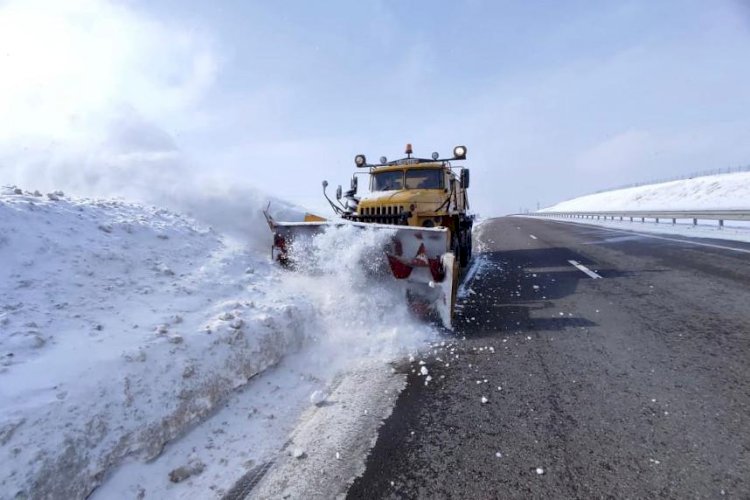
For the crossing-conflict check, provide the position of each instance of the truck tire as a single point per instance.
(457, 249)
(465, 252)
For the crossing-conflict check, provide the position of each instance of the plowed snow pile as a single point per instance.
(121, 326)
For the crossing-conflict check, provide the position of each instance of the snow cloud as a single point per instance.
(95, 98)
(93, 92)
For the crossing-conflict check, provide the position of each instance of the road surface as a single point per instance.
(616, 365)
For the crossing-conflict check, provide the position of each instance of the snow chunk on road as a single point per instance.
(318, 397)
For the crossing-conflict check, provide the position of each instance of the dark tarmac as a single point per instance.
(635, 385)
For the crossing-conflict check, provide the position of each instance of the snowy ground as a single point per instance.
(721, 192)
(145, 352)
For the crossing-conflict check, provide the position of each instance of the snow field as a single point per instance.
(715, 192)
(719, 192)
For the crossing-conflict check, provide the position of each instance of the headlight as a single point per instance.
(435, 155)
(360, 160)
(459, 152)
(383, 160)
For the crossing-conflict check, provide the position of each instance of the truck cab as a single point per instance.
(416, 192)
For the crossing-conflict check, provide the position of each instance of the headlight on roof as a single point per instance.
(360, 160)
(459, 152)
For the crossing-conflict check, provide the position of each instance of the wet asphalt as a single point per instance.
(635, 385)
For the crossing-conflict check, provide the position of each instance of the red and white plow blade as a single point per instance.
(419, 258)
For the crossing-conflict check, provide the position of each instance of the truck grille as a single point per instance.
(393, 214)
(389, 210)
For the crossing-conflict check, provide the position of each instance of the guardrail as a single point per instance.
(656, 215)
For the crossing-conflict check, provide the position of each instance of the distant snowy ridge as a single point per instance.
(720, 192)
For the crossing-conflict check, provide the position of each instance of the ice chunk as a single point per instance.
(318, 397)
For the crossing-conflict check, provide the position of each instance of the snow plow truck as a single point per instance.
(423, 204)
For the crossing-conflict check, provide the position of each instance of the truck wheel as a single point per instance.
(457, 249)
(464, 257)
(465, 252)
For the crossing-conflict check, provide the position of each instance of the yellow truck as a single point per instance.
(423, 203)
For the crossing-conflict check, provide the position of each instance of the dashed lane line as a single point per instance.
(585, 269)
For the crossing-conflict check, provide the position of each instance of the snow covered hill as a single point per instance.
(728, 191)
(122, 326)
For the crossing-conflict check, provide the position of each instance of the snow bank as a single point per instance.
(120, 326)
(728, 191)
(123, 326)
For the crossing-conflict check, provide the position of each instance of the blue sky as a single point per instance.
(553, 98)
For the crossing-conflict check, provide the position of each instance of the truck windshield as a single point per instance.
(424, 179)
(388, 181)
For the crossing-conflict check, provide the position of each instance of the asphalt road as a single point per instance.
(635, 385)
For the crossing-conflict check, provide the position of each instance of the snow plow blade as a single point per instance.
(419, 258)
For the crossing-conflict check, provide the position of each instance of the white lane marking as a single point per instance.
(462, 290)
(614, 239)
(646, 235)
(585, 269)
(533, 237)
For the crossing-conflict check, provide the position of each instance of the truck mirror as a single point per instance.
(465, 178)
(325, 184)
(338, 192)
(354, 183)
